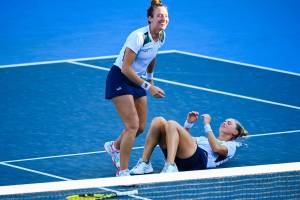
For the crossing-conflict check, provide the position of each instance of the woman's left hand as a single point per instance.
(206, 119)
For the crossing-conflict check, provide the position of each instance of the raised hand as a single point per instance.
(206, 119)
(192, 116)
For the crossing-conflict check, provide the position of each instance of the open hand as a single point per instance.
(156, 92)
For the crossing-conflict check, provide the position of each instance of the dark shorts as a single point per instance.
(117, 84)
(196, 162)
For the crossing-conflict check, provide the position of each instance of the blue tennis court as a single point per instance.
(55, 120)
(225, 58)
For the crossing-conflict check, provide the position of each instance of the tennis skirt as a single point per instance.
(117, 84)
(196, 162)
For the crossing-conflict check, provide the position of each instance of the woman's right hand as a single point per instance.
(192, 116)
(156, 92)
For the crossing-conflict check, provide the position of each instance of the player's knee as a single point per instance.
(132, 127)
(171, 123)
(158, 121)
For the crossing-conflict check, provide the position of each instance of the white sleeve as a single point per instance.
(231, 147)
(135, 42)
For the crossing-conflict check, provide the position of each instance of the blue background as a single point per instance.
(264, 32)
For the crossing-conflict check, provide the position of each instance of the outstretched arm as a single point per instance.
(213, 142)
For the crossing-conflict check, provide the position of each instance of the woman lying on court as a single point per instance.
(184, 152)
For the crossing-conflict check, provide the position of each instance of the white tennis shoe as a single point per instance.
(113, 152)
(141, 168)
(124, 172)
(169, 168)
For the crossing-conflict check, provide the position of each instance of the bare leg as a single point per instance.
(141, 108)
(127, 111)
(156, 135)
(179, 142)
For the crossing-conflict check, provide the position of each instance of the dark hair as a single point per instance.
(154, 4)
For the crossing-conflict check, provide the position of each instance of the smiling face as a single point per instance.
(159, 19)
(228, 129)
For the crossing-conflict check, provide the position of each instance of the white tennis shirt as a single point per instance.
(140, 41)
(213, 159)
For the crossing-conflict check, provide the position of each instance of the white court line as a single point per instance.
(236, 62)
(274, 133)
(74, 61)
(60, 178)
(134, 148)
(69, 60)
(54, 62)
(61, 156)
(34, 171)
(160, 52)
(57, 156)
(227, 93)
(89, 65)
(198, 87)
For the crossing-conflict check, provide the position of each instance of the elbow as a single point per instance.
(215, 149)
(125, 68)
(219, 150)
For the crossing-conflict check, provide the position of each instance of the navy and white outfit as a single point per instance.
(204, 157)
(214, 159)
(140, 41)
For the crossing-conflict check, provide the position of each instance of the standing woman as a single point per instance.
(127, 89)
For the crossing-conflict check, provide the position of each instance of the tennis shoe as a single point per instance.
(113, 152)
(169, 168)
(124, 172)
(141, 168)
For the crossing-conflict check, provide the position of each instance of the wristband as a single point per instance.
(188, 124)
(146, 85)
(207, 128)
(149, 76)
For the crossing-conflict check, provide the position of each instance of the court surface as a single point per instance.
(54, 118)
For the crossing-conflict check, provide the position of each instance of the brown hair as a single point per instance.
(154, 4)
(242, 132)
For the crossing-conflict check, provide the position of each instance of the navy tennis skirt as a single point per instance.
(117, 84)
(196, 162)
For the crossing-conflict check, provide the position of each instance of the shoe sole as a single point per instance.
(143, 173)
